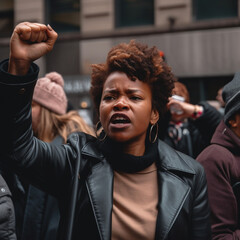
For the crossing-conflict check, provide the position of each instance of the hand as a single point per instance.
(29, 41)
(187, 109)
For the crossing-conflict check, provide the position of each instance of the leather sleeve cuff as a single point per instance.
(8, 78)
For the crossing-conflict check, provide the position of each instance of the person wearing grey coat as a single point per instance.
(7, 215)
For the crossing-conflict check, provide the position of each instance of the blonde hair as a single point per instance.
(50, 125)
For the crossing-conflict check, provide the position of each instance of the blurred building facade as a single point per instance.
(200, 38)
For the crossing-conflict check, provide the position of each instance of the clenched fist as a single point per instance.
(29, 41)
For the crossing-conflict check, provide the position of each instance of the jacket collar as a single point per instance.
(169, 159)
(173, 160)
(173, 191)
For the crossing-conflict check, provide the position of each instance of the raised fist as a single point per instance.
(29, 41)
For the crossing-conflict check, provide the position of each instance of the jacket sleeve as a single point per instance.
(223, 204)
(202, 129)
(208, 122)
(44, 165)
(201, 214)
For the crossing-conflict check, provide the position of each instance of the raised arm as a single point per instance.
(29, 42)
(35, 160)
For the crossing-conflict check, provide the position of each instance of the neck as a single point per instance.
(124, 161)
(135, 149)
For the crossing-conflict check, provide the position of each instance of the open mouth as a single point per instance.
(119, 119)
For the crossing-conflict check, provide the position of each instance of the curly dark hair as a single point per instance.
(137, 61)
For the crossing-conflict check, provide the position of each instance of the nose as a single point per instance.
(121, 104)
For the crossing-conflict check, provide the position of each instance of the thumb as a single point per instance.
(52, 37)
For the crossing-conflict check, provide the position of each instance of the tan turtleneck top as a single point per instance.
(135, 199)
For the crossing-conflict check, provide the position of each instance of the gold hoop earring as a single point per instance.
(150, 133)
(99, 131)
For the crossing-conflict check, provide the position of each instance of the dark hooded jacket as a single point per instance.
(221, 161)
(182, 208)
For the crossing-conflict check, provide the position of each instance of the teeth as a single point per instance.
(119, 119)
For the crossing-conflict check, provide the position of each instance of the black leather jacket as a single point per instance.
(183, 205)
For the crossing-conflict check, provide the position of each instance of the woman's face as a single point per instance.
(126, 109)
(36, 110)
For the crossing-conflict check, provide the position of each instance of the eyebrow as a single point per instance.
(129, 91)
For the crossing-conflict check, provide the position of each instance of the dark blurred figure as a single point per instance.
(221, 161)
(220, 101)
(7, 215)
(188, 128)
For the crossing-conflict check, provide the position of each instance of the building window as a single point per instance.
(205, 9)
(134, 12)
(64, 15)
(6, 18)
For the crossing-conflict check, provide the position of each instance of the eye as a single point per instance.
(108, 97)
(135, 98)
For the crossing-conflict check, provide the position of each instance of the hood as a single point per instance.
(225, 137)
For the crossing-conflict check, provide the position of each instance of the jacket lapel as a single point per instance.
(172, 195)
(100, 188)
(173, 191)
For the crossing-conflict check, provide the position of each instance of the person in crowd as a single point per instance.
(188, 127)
(124, 184)
(7, 216)
(220, 101)
(221, 163)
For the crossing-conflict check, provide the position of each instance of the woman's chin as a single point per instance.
(121, 138)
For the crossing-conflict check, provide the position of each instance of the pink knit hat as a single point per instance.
(49, 93)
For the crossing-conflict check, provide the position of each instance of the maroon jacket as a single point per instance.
(221, 161)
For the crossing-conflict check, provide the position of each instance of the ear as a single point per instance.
(154, 116)
(232, 122)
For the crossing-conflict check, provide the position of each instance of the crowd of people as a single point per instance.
(156, 166)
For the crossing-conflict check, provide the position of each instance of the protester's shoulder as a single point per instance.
(82, 138)
(87, 145)
(191, 162)
(215, 154)
(195, 172)
(174, 159)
